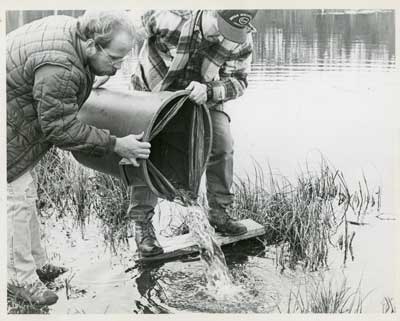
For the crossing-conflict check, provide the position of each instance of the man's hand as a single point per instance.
(100, 81)
(198, 92)
(131, 148)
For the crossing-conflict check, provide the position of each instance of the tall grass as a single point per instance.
(55, 178)
(319, 296)
(301, 217)
(67, 188)
(64, 188)
(110, 205)
(388, 305)
(17, 306)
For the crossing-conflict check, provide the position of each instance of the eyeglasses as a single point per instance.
(113, 61)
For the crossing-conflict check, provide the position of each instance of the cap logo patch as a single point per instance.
(244, 21)
(240, 19)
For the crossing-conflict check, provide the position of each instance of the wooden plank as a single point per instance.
(184, 244)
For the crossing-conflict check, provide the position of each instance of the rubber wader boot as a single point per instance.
(146, 240)
(224, 224)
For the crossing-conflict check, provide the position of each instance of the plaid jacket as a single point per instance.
(178, 49)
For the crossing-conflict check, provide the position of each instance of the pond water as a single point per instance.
(322, 83)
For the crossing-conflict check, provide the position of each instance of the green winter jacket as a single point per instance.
(48, 80)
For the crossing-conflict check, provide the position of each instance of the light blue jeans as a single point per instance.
(25, 253)
(219, 174)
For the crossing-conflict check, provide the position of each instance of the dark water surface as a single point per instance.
(321, 82)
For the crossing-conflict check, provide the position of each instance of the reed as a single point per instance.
(67, 188)
(320, 296)
(388, 305)
(110, 204)
(54, 179)
(16, 306)
(64, 187)
(301, 217)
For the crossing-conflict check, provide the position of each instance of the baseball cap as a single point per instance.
(232, 23)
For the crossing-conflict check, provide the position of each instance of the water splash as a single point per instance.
(219, 283)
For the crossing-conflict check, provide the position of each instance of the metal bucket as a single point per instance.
(180, 133)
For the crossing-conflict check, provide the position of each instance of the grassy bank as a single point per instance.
(301, 216)
(67, 188)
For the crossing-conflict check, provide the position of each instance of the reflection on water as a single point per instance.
(318, 81)
(289, 43)
(151, 292)
(292, 42)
